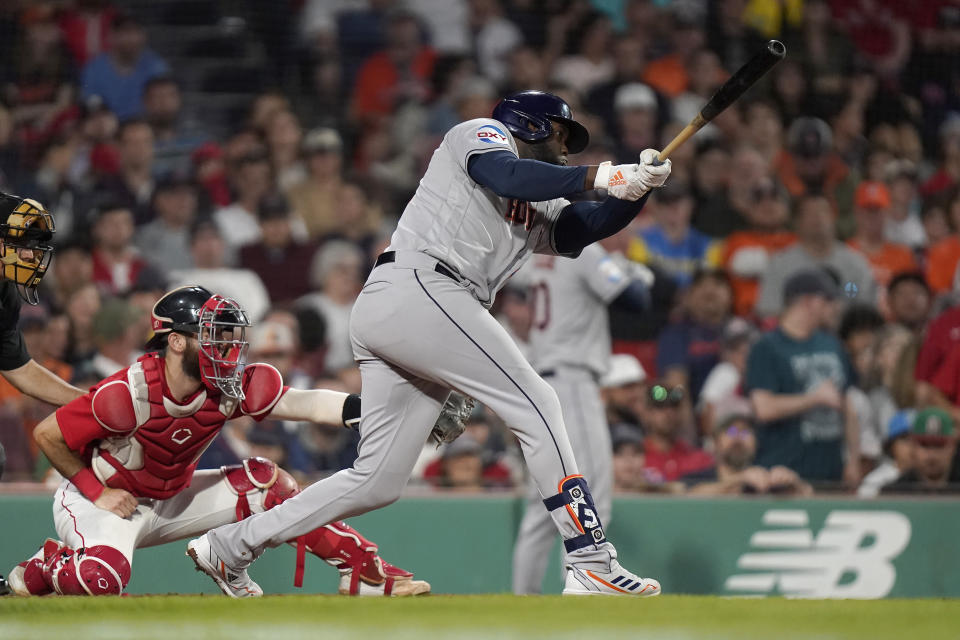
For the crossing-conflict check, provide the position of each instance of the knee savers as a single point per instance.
(259, 474)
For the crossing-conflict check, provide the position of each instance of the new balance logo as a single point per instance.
(851, 556)
(617, 179)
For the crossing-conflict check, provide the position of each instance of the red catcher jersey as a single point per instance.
(136, 437)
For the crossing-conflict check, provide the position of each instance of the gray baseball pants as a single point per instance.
(416, 334)
(589, 436)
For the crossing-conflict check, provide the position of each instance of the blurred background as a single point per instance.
(266, 150)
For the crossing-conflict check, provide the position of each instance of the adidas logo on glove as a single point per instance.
(617, 179)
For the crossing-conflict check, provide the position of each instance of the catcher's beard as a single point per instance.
(190, 363)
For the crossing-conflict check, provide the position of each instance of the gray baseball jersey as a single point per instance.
(571, 325)
(461, 223)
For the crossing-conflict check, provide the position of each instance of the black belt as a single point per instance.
(391, 256)
(548, 373)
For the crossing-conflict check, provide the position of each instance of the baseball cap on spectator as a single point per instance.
(173, 180)
(902, 168)
(932, 425)
(730, 410)
(322, 140)
(623, 434)
(898, 427)
(871, 195)
(462, 446)
(270, 338)
(206, 151)
(736, 332)
(634, 95)
(273, 206)
(809, 282)
(149, 278)
(624, 369)
(809, 137)
(950, 125)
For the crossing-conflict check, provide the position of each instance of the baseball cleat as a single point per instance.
(616, 582)
(233, 582)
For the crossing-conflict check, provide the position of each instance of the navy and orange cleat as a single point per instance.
(616, 582)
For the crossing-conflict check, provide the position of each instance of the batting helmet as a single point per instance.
(527, 114)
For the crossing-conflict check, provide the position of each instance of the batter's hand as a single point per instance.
(621, 181)
(117, 501)
(652, 173)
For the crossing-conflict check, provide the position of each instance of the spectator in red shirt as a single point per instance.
(665, 450)
(116, 263)
(400, 72)
(278, 258)
(86, 29)
(471, 462)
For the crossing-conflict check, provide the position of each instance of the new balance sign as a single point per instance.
(850, 557)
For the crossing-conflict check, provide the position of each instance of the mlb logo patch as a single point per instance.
(491, 135)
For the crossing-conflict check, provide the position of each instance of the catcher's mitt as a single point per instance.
(456, 411)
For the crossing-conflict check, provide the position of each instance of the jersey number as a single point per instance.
(540, 299)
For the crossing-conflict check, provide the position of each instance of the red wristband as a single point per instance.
(87, 483)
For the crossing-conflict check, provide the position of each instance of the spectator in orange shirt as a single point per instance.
(746, 254)
(871, 204)
(669, 74)
(398, 73)
(810, 166)
(943, 257)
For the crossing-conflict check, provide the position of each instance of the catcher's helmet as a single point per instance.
(26, 231)
(220, 326)
(527, 114)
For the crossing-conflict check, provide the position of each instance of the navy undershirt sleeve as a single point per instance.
(510, 177)
(636, 297)
(583, 223)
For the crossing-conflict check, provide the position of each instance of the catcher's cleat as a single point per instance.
(4, 587)
(233, 582)
(14, 584)
(616, 582)
(384, 580)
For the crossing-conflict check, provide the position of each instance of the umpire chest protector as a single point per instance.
(159, 441)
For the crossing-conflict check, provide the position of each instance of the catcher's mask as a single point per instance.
(219, 325)
(25, 233)
(223, 345)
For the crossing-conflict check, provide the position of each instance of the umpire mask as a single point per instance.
(26, 234)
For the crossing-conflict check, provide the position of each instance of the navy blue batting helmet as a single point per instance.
(527, 114)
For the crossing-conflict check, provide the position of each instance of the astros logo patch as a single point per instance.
(491, 135)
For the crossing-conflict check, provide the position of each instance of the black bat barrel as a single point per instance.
(745, 77)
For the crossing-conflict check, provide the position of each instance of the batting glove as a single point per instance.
(651, 172)
(620, 181)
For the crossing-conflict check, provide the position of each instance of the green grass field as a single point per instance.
(472, 617)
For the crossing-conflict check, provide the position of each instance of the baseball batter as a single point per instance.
(129, 449)
(493, 193)
(570, 349)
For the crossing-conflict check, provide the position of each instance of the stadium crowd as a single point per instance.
(817, 221)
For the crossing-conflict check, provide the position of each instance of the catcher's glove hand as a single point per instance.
(456, 411)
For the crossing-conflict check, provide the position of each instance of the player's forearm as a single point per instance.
(769, 407)
(582, 223)
(528, 180)
(37, 381)
(51, 442)
(321, 406)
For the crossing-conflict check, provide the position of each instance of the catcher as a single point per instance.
(129, 447)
